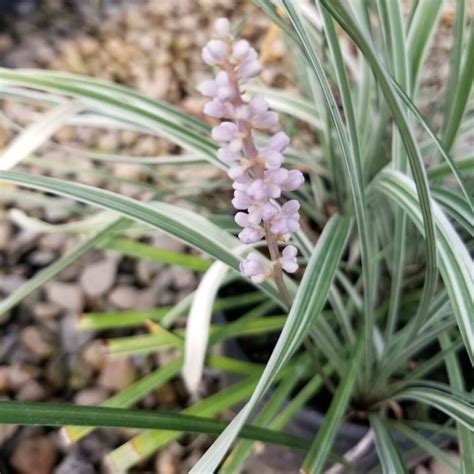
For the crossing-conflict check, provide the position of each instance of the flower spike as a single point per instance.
(258, 175)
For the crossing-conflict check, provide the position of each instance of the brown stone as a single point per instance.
(35, 455)
(117, 374)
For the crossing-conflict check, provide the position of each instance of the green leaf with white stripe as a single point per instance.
(185, 225)
(456, 406)
(122, 104)
(455, 262)
(310, 300)
(321, 446)
(389, 457)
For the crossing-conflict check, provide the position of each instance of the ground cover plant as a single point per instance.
(373, 226)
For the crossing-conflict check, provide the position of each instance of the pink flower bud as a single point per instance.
(254, 268)
(236, 172)
(258, 104)
(287, 220)
(273, 159)
(215, 52)
(222, 27)
(288, 259)
(261, 211)
(251, 235)
(294, 180)
(278, 142)
(249, 67)
(264, 189)
(225, 132)
(208, 88)
(216, 109)
(291, 207)
(240, 49)
(266, 120)
(227, 155)
(241, 200)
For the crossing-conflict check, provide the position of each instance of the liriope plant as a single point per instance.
(355, 321)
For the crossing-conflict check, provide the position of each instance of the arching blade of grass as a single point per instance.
(455, 265)
(425, 444)
(122, 104)
(442, 170)
(52, 79)
(143, 445)
(135, 392)
(53, 414)
(37, 134)
(321, 446)
(275, 408)
(295, 106)
(310, 299)
(420, 33)
(340, 11)
(391, 89)
(466, 437)
(180, 223)
(454, 406)
(439, 146)
(45, 275)
(455, 207)
(460, 77)
(348, 142)
(393, 25)
(129, 396)
(388, 454)
(148, 252)
(124, 319)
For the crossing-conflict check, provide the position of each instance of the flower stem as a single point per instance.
(277, 270)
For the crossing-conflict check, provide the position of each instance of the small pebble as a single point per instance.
(124, 297)
(37, 451)
(32, 391)
(66, 295)
(117, 374)
(97, 278)
(94, 354)
(37, 341)
(91, 396)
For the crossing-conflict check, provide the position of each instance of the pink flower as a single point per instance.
(237, 173)
(254, 268)
(241, 49)
(262, 211)
(273, 160)
(278, 142)
(287, 220)
(250, 66)
(241, 200)
(260, 116)
(217, 109)
(269, 186)
(288, 259)
(272, 153)
(227, 155)
(220, 88)
(215, 52)
(293, 181)
(251, 233)
(222, 28)
(225, 132)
